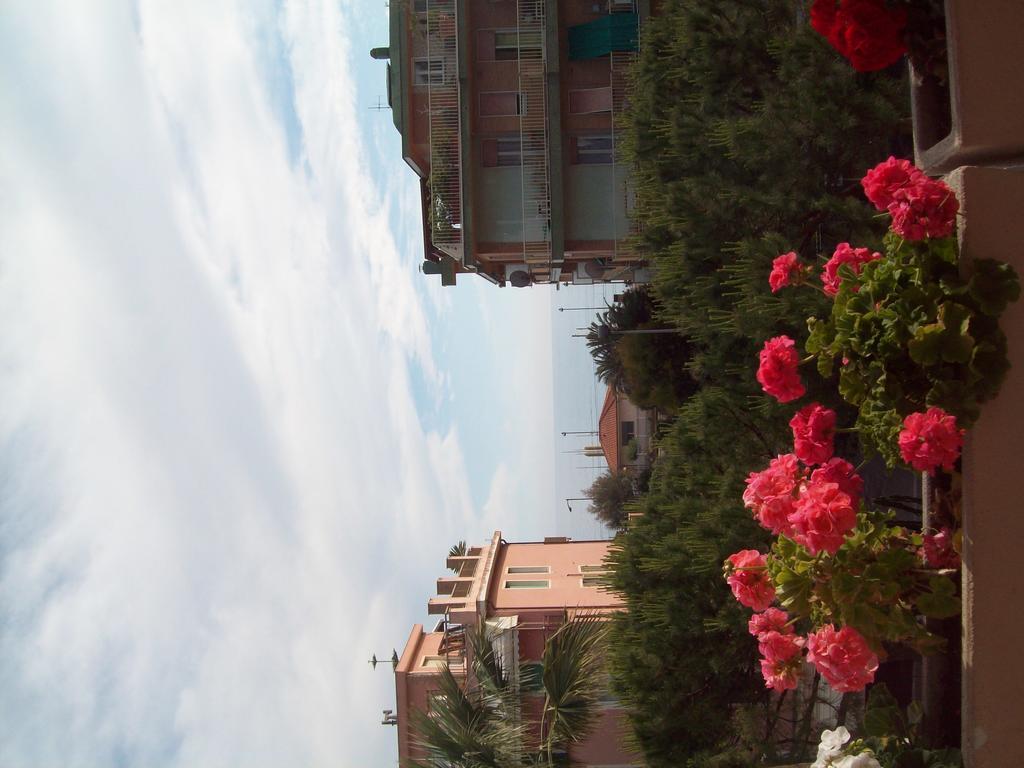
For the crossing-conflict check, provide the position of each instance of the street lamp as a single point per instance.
(586, 432)
(575, 498)
(580, 309)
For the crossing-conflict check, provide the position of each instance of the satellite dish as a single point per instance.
(520, 279)
(594, 269)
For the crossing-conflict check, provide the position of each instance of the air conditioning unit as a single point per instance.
(518, 275)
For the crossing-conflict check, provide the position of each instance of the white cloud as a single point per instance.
(214, 467)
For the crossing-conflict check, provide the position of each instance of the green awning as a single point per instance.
(614, 32)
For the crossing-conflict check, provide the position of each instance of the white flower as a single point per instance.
(832, 746)
(863, 760)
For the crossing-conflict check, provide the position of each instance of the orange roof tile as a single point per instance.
(608, 429)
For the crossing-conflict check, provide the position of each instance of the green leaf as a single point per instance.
(941, 602)
(994, 285)
(927, 344)
(851, 386)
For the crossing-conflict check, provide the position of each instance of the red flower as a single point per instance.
(845, 254)
(786, 269)
(843, 658)
(822, 518)
(842, 473)
(930, 439)
(938, 551)
(778, 370)
(927, 208)
(814, 428)
(770, 493)
(886, 178)
(780, 662)
(867, 32)
(749, 580)
(771, 620)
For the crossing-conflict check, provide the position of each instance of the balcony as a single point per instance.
(435, 51)
(436, 55)
(533, 136)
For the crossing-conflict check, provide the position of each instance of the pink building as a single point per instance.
(507, 110)
(522, 593)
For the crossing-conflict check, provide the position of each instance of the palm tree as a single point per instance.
(457, 550)
(572, 681)
(478, 723)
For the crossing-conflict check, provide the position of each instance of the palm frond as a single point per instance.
(573, 660)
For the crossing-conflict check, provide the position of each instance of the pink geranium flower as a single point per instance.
(770, 493)
(770, 620)
(814, 428)
(856, 258)
(748, 577)
(883, 181)
(927, 208)
(930, 440)
(786, 270)
(938, 550)
(842, 473)
(777, 372)
(780, 659)
(842, 657)
(822, 518)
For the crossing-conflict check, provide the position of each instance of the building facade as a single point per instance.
(507, 111)
(521, 593)
(625, 432)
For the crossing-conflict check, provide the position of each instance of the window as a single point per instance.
(594, 150)
(506, 151)
(434, 662)
(509, 44)
(628, 431)
(527, 584)
(592, 569)
(419, 6)
(529, 569)
(502, 103)
(428, 72)
(595, 581)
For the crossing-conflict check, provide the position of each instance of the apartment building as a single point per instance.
(507, 111)
(521, 593)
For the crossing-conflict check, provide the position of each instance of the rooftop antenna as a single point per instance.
(378, 106)
(374, 661)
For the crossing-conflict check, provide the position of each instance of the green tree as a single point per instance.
(609, 494)
(650, 368)
(747, 133)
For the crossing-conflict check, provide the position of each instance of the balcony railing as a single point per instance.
(621, 62)
(533, 134)
(439, 46)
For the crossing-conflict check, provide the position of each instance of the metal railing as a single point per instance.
(441, 75)
(620, 64)
(533, 133)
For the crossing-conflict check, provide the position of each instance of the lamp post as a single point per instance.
(575, 498)
(582, 432)
(580, 309)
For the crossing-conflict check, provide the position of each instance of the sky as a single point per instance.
(239, 431)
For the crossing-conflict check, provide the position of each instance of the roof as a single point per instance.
(608, 429)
